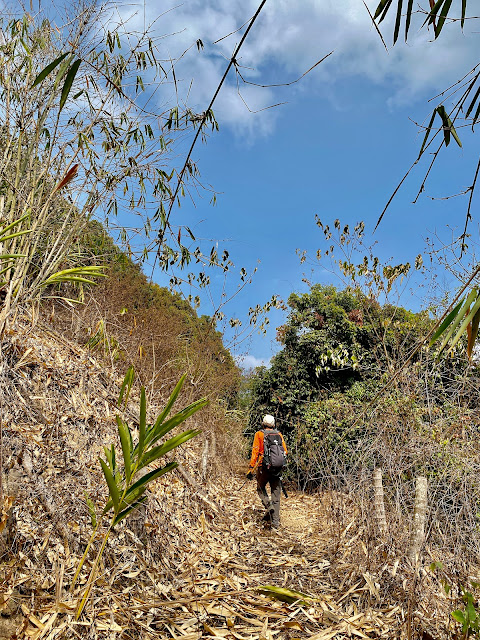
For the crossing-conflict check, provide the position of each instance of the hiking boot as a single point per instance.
(268, 515)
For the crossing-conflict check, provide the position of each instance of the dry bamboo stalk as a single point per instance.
(419, 515)
(192, 483)
(379, 501)
(205, 459)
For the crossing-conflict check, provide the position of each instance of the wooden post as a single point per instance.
(419, 516)
(379, 504)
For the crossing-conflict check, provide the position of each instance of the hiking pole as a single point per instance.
(284, 491)
(238, 490)
(252, 471)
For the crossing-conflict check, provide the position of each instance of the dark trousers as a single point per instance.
(273, 503)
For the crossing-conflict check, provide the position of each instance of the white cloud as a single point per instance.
(250, 362)
(286, 40)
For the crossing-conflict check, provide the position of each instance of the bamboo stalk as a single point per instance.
(419, 516)
(379, 504)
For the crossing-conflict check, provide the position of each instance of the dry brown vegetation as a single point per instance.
(190, 565)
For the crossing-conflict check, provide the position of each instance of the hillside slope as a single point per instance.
(190, 566)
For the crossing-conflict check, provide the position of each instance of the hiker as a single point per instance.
(269, 456)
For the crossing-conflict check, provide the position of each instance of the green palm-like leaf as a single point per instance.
(123, 514)
(158, 432)
(446, 322)
(396, 30)
(456, 321)
(149, 477)
(112, 486)
(13, 224)
(143, 422)
(12, 256)
(10, 236)
(468, 319)
(48, 69)
(76, 274)
(126, 385)
(448, 126)
(125, 440)
(443, 17)
(171, 401)
(72, 72)
(172, 443)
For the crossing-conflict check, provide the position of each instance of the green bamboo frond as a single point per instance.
(125, 487)
(77, 274)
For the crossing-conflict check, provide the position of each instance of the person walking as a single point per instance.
(269, 456)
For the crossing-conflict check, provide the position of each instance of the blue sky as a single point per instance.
(336, 149)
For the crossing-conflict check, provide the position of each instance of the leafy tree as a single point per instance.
(331, 340)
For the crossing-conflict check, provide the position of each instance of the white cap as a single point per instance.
(268, 421)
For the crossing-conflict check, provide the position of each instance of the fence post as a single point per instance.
(419, 515)
(379, 504)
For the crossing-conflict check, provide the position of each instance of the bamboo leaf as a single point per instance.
(123, 432)
(126, 385)
(163, 449)
(143, 422)
(408, 18)
(472, 104)
(473, 334)
(112, 486)
(468, 318)
(72, 72)
(446, 129)
(396, 30)
(442, 18)
(466, 306)
(464, 10)
(433, 12)
(15, 235)
(177, 419)
(68, 177)
(285, 595)
(448, 126)
(446, 322)
(427, 133)
(14, 224)
(48, 69)
(171, 401)
(149, 477)
(123, 514)
(382, 7)
(476, 116)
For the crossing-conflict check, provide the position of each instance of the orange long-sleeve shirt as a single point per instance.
(257, 449)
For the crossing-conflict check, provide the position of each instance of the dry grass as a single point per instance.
(189, 566)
